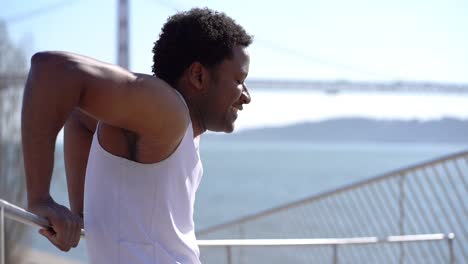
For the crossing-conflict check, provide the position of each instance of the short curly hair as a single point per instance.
(198, 35)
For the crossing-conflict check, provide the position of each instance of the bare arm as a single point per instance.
(58, 84)
(79, 130)
(42, 117)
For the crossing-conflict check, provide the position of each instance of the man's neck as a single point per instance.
(197, 124)
(194, 111)
(195, 116)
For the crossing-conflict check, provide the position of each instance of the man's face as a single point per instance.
(227, 92)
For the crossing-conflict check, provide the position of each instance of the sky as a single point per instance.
(362, 40)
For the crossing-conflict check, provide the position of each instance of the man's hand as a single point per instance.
(65, 228)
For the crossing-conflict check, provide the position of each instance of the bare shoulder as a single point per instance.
(141, 103)
(166, 111)
(79, 66)
(167, 105)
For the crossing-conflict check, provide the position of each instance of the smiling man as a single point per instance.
(134, 138)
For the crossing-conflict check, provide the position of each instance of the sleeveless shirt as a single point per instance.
(138, 213)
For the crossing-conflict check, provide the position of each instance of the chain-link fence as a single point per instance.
(422, 199)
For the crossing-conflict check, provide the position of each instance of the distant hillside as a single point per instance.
(446, 130)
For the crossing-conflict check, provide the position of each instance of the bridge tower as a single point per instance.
(123, 34)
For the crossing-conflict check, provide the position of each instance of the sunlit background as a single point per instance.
(306, 40)
(361, 41)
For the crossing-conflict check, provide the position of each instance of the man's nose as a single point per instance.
(245, 98)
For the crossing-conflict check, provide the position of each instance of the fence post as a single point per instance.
(335, 254)
(229, 254)
(401, 208)
(451, 237)
(2, 234)
(240, 250)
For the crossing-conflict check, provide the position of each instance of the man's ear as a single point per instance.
(198, 76)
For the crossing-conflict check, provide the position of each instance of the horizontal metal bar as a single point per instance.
(322, 241)
(423, 237)
(20, 215)
(287, 242)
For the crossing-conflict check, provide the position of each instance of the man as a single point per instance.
(135, 137)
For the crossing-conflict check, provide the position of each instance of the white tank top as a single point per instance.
(142, 213)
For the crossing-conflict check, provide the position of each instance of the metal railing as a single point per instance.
(333, 243)
(426, 198)
(13, 212)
